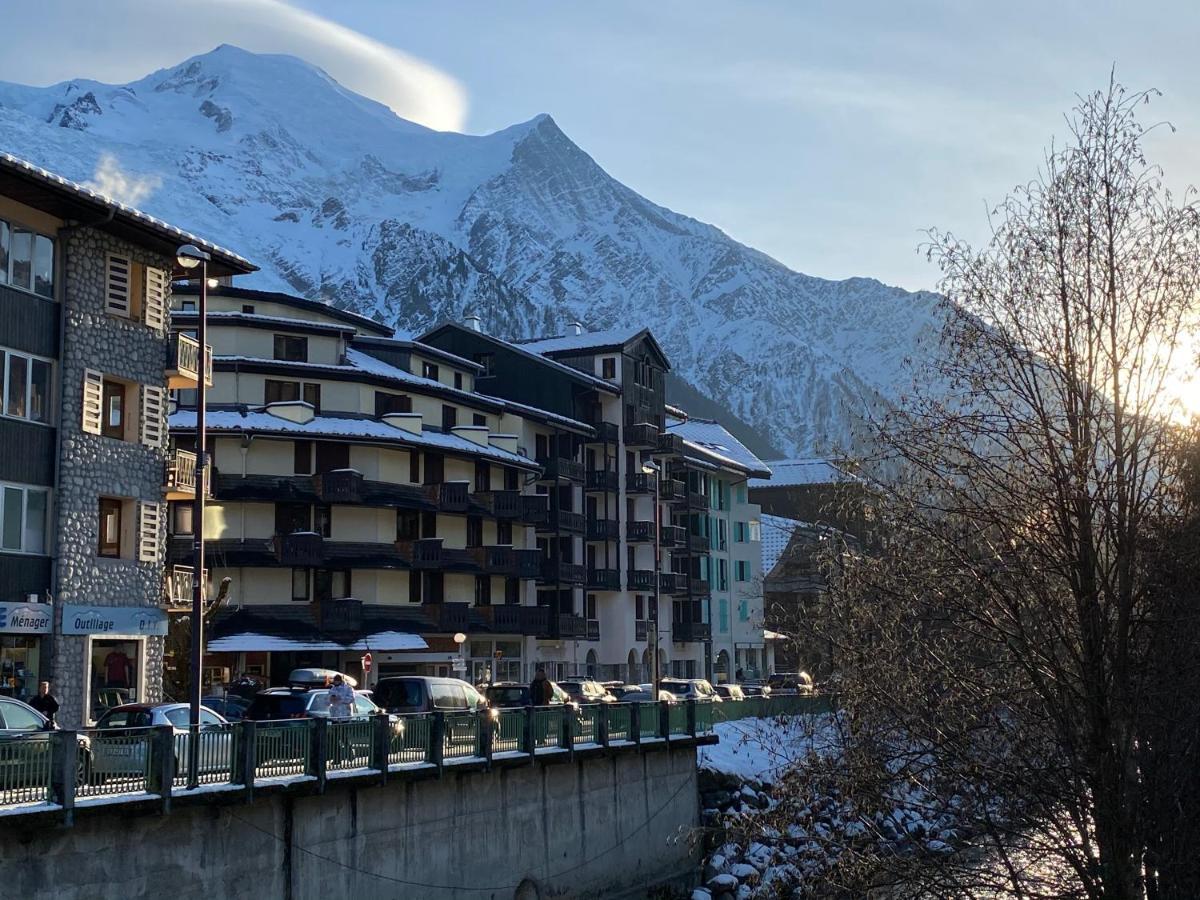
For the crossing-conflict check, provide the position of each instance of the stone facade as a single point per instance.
(93, 465)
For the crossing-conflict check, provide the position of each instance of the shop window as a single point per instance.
(23, 519)
(116, 674)
(291, 348)
(20, 658)
(25, 387)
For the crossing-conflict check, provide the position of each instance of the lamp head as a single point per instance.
(650, 467)
(189, 256)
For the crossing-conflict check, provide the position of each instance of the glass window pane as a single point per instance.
(5, 237)
(39, 392)
(43, 266)
(22, 257)
(10, 529)
(18, 375)
(35, 522)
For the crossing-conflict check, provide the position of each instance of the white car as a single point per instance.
(690, 689)
(120, 747)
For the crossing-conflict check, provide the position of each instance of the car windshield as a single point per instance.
(399, 693)
(507, 694)
(277, 706)
(179, 717)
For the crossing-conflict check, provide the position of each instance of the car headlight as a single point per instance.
(494, 713)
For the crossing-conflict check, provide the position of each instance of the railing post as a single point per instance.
(163, 764)
(635, 722)
(437, 740)
(691, 716)
(664, 720)
(487, 731)
(527, 738)
(64, 762)
(247, 755)
(381, 742)
(193, 757)
(566, 739)
(602, 724)
(318, 748)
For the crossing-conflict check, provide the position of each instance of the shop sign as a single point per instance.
(114, 620)
(26, 618)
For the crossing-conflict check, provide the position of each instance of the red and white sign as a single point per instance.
(366, 662)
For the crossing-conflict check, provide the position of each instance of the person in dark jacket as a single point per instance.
(45, 702)
(540, 691)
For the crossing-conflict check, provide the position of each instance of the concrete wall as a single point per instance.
(605, 826)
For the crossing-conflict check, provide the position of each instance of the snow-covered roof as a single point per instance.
(553, 418)
(146, 221)
(248, 641)
(417, 347)
(777, 532)
(232, 317)
(588, 340)
(711, 439)
(790, 472)
(235, 420)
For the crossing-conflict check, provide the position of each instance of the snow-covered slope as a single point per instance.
(336, 197)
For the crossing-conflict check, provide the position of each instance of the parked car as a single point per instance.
(756, 689)
(114, 754)
(423, 694)
(619, 690)
(511, 694)
(690, 689)
(791, 683)
(232, 706)
(730, 691)
(280, 703)
(645, 693)
(20, 722)
(586, 691)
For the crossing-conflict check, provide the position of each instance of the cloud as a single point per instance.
(135, 37)
(129, 189)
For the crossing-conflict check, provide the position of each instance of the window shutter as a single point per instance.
(117, 285)
(151, 424)
(154, 310)
(93, 400)
(149, 527)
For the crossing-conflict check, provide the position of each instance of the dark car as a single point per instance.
(756, 689)
(586, 691)
(423, 694)
(791, 683)
(511, 694)
(232, 706)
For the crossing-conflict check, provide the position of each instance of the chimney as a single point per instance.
(576, 328)
(472, 322)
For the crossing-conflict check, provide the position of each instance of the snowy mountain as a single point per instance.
(336, 197)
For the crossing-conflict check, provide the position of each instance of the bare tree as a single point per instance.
(1012, 643)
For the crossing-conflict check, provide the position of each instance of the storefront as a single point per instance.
(495, 661)
(115, 651)
(22, 626)
(232, 653)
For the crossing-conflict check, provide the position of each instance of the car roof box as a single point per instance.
(315, 678)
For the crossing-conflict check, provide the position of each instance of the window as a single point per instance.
(275, 391)
(113, 422)
(110, 527)
(429, 370)
(331, 584)
(723, 615)
(332, 456)
(722, 535)
(24, 386)
(133, 290)
(181, 518)
(303, 457)
(722, 575)
(414, 587)
(740, 532)
(449, 417)
(386, 403)
(512, 479)
(512, 591)
(744, 611)
(248, 308)
(22, 519)
(608, 367)
(755, 530)
(741, 570)
(428, 524)
(414, 467)
(639, 607)
(504, 534)
(300, 584)
(312, 396)
(479, 420)
(483, 590)
(486, 360)
(323, 520)
(408, 524)
(458, 382)
(26, 259)
(292, 517)
(483, 476)
(434, 473)
(589, 606)
(474, 531)
(291, 348)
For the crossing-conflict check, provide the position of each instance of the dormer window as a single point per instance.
(429, 370)
(608, 367)
(290, 348)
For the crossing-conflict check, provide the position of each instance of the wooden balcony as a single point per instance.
(673, 536)
(501, 504)
(181, 476)
(425, 553)
(450, 496)
(564, 520)
(511, 619)
(603, 529)
(698, 543)
(670, 583)
(641, 435)
(602, 480)
(495, 560)
(341, 615)
(554, 572)
(603, 580)
(304, 548)
(448, 617)
(568, 626)
(670, 443)
(640, 579)
(555, 468)
(606, 433)
(339, 486)
(698, 587)
(696, 501)
(529, 563)
(639, 483)
(639, 532)
(535, 508)
(183, 363)
(691, 632)
(672, 490)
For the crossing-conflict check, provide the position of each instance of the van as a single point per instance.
(423, 694)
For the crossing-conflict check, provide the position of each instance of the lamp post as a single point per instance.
(654, 468)
(189, 257)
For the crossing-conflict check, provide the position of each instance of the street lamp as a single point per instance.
(650, 467)
(460, 664)
(190, 257)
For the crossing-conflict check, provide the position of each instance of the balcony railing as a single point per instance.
(425, 553)
(495, 560)
(602, 480)
(564, 520)
(673, 535)
(641, 579)
(639, 483)
(673, 490)
(696, 501)
(524, 620)
(555, 468)
(606, 432)
(183, 364)
(535, 509)
(304, 548)
(179, 587)
(502, 504)
(568, 573)
(698, 587)
(343, 615)
(450, 496)
(593, 629)
(603, 580)
(603, 529)
(529, 563)
(670, 443)
(339, 486)
(641, 435)
(449, 616)
(698, 543)
(691, 631)
(670, 583)
(570, 626)
(639, 531)
(181, 475)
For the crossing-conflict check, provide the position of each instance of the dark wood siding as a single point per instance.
(28, 323)
(28, 452)
(21, 575)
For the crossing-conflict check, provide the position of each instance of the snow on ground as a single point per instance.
(763, 749)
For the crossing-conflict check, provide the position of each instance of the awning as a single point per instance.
(251, 641)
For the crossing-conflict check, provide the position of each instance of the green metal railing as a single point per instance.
(461, 738)
(214, 745)
(619, 721)
(117, 762)
(547, 726)
(587, 724)
(282, 747)
(348, 744)
(677, 718)
(410, 743)
(509, 731)
(764, 707)
(649, 719)
(26, 764)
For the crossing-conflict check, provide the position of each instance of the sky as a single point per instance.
(830, 135)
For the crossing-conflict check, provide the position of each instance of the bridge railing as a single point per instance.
(62, 767)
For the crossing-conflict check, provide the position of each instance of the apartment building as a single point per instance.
(86, 359)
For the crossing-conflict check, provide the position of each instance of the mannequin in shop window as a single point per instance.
(118, 669)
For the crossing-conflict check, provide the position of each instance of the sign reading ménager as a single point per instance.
(114, 620)
(25, 618)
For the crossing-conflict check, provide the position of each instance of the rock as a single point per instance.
(725, 882)
(938, 847)
(701, 894)
(745, 873)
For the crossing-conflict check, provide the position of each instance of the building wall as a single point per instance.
(93, 466)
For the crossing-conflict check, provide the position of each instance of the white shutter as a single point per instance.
(93, 400)
(149, 528)
(116, 285)
(154, 309)
(151, 424)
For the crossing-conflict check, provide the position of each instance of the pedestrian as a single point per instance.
(45, 702)
(341, 702)
(540, 691)
(739, 675)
